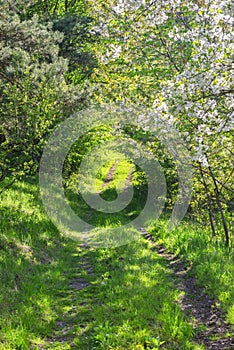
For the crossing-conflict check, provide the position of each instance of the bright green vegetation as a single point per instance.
(62, 58)
(129, 303)
(147, 58)
(109, 193)
(211, 261)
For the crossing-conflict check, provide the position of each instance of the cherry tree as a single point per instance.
(176, 57)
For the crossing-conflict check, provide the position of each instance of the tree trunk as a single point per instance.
(211, 218)
(218, 201)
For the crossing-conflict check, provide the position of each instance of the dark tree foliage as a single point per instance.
(71, 19)
(34, 93)
(76, 37)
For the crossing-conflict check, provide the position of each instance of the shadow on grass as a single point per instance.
(128, 302)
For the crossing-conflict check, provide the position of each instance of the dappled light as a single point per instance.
(116, 175)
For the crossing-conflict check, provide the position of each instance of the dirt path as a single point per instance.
(129, 179)
(65, 327)
(109, 176)
(194, 301)
(196, 304)
(211, 329)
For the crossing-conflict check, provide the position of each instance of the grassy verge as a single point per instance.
(33, 259)
(128, 303)
(212, 262)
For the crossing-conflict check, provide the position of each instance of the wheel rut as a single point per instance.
(211, 329)
(208, 320)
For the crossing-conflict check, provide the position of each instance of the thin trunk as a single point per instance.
(55, 7)
(66, 5)
(218, 201)
(211, 218)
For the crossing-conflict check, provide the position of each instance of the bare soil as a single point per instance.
(212, 331)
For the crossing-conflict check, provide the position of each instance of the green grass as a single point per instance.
(130, 302)
(109, 193)
(33, 259)
(212, 262)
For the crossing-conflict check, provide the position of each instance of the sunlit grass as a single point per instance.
(212, 262)
(130, 302)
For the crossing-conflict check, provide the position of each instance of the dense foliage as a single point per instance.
(175, 58)
(172, 63)
(35, 92)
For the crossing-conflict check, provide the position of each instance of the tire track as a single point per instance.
(208, 320)
(206, 317)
